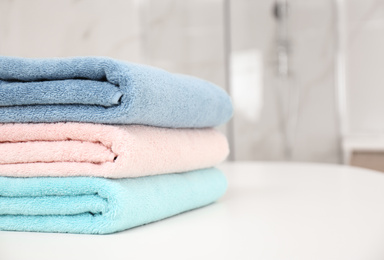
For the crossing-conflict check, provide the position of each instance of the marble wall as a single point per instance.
(298, 118)
(364, 35)
(276, 118)
(44, 28)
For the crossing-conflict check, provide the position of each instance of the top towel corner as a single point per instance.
(104, 90)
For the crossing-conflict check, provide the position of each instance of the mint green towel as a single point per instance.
(99, 206)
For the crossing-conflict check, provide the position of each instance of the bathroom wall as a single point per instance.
(299, 112)
(364, 33)
(292, 119)
(44, 28)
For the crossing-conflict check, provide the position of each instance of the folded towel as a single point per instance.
(113, 151)
(103, 90)
(99, 206)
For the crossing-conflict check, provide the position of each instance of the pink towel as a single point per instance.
(78, 149)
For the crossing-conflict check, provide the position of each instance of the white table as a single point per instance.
(271, 211)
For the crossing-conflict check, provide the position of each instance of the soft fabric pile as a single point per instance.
(102, 90)
(95, 145)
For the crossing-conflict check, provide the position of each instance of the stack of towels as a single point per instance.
(95, 145)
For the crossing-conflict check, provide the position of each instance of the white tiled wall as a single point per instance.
(187, 36)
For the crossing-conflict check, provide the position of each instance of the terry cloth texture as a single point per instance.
(98, 205)
(103, 90)
(112, 151)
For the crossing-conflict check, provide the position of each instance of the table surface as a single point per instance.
(270, 211)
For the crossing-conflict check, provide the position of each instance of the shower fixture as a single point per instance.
(280, 12)
(287, 95)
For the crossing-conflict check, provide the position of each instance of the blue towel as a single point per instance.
(103, 90)
(99, 206)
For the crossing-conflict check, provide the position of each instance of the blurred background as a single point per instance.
(306, 76)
